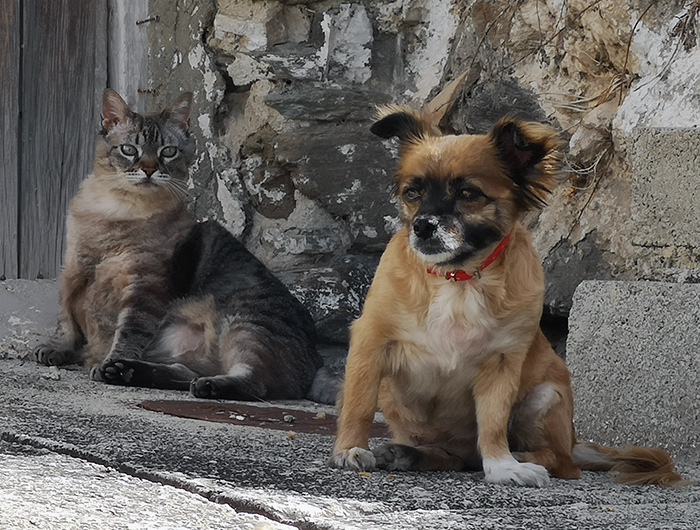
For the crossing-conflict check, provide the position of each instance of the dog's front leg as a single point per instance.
(495, 392)
(363, 375)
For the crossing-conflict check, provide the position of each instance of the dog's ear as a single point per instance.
(405, 124)
(529, 153)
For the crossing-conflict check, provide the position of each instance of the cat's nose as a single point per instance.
(148, 170)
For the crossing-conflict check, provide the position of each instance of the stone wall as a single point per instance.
(285, 92)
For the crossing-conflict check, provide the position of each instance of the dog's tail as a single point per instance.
(631, 465)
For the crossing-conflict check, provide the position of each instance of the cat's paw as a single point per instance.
(51, 356)
(325, 386)
(397, 457)
(119, 372)
(508, 470)
(357, 459)
(205, 388)
(96, 374)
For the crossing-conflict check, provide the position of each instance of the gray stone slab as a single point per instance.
(634, 353)
(48, 490)
(666, 187)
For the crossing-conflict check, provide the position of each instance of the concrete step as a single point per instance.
(634, 353)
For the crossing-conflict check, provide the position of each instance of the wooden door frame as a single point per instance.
(10, 47)
(56, 59)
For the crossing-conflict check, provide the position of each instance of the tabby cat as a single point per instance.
(149, 297)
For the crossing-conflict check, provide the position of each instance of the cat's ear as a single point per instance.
(114, 109)
(179, 111)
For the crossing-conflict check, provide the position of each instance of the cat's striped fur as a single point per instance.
(149, 297)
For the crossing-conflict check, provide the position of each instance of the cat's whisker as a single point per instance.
(179, 188)
(116, 175)
(172, 192)
(190, 186)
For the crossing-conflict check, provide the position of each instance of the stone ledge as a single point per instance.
(634, 353)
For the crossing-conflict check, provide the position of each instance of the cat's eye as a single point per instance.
(169, 151)
(128, 150)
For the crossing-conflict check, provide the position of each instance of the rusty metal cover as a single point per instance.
(264, 417)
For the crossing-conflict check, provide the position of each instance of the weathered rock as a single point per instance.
(179, 62)
(242, 69)
(566, 266)
(285, 91)
(269, 183)
(309, 235)
(347, 171)
(242, 25)
(348, 31)
(334, 295)
(324, 102)
(666, 188)
(271, 189)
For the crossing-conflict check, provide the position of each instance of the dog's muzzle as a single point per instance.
(425, 227)
(434, 239)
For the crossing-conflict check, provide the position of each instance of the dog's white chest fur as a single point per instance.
(458, 330)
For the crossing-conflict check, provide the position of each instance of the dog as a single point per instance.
(448, 345)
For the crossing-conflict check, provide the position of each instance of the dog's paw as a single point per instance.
(357, 459)
(508, 470)
(397, 457)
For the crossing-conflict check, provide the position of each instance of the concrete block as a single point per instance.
(634, 353)
(666, 187)
(28, 312)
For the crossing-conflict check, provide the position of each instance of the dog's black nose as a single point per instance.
(424, 228)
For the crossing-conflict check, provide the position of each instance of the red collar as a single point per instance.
(462, 276)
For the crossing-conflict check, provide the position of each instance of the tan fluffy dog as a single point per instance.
(448, 346)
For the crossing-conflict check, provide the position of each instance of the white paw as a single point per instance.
(508, 470)
(357, 458)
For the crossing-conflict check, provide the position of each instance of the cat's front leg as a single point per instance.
(65, 347)
(133, 338)
(132, 372)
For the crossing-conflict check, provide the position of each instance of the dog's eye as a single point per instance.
(470, 194)
(411, 194)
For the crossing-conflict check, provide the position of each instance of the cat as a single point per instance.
(149, 297)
